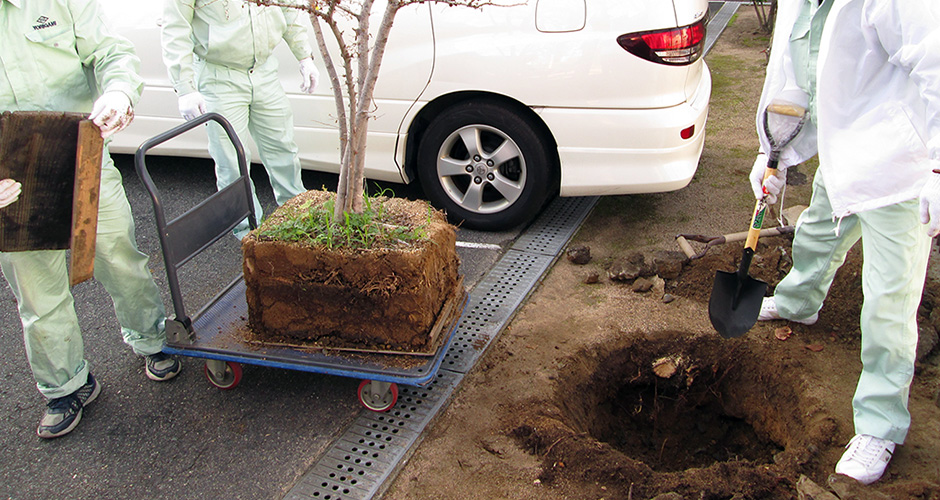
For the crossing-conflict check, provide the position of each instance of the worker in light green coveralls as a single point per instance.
(218, 54)
(49, 46)
(871, 71)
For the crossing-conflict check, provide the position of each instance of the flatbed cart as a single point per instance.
(216, 331)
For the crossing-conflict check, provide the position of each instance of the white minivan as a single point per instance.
(580, 97)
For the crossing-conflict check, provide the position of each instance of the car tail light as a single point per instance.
(676, 46)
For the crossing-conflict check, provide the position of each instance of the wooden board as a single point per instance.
(57, 159)
(85, 202)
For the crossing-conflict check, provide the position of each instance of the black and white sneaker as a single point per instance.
(162, 366)
(63, 414)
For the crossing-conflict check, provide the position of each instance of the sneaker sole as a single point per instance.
(70, 428)
(156, 378)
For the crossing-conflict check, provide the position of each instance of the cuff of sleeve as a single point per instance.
(132, 92)
(184, 88)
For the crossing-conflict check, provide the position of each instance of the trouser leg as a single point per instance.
(228, 93)
(53, 339)
(271, 123)
(122, 269)
(896, 248)
(818, 252)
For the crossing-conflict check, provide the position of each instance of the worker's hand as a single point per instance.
(192, 105)
(9, 191)
(772, 186)
(930, 205)
(309, 75)
(112, 112)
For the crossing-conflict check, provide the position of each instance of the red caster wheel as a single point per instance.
(223, 374)
(378, 396)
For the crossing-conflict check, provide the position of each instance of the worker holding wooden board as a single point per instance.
(49, 49)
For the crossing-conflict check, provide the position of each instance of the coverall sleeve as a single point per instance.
(112, 58)
(779, 75)
(296, 34)
(909, 31)
(177, 40)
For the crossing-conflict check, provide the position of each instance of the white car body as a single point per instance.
(611, 122)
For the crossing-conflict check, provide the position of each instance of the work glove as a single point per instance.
(192, 105)
(930, 205)
(9, 191)
(112, 112)
(772, 186)
(309, 75)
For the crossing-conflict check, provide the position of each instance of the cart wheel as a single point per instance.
(223, 374)
(378, 396)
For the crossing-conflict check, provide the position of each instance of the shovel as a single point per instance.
(736, 297)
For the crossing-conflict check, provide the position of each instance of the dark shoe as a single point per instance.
(63, 414)
(162, 366)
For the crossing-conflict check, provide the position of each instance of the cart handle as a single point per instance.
(202, 225)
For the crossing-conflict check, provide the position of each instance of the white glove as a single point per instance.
(9, 191)
(930, 205)
(192, 105)
(112, 112)
(772, 186)
(309, 75)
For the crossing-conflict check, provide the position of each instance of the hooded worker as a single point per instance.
(219, 57)
(49, 49)
(871, 72)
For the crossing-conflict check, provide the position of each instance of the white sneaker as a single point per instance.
(865, 458)
(768, 311)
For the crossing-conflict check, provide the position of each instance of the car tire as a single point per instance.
(485, 165)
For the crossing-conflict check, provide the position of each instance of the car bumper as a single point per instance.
(648, 155)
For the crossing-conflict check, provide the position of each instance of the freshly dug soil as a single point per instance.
(387, 298)
(603, 389)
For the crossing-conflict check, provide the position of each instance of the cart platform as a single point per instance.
(218, 333)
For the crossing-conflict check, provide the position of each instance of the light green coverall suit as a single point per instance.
(222, 49)
(47, 48)
(896, 248)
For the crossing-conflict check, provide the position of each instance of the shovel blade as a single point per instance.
(735, 303)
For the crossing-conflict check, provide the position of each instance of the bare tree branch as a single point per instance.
(362, 57)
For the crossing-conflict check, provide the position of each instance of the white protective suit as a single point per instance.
(877, 132)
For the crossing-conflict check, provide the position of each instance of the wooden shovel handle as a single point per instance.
(760, 208)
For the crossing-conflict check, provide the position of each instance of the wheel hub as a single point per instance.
(481, 169)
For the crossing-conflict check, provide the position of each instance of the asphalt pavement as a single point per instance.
(182, 438)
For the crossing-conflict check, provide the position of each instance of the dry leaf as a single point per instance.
(814, 347)
(783, 333)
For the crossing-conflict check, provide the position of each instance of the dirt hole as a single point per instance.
(674, 428)
(682, 417)
(680, 413)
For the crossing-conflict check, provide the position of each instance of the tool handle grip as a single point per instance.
(760, 208)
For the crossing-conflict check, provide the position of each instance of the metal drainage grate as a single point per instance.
(492, 304)
(551, 231)
(369, 452)
(358, 462)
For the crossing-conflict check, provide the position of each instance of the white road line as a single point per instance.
(485, 246)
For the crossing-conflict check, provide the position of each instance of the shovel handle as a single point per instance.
(760, 208)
